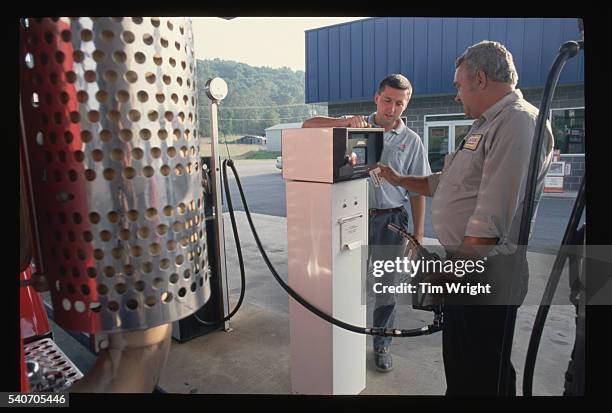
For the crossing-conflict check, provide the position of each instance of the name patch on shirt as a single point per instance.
(472, 142)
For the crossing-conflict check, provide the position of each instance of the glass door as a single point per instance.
(438, 146)
(442, 137)
(460, 132)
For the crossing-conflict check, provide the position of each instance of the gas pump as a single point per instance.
(576, 256)
(216, 310)
(327, 223)
(572, 235)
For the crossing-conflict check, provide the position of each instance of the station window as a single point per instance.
(568, 130)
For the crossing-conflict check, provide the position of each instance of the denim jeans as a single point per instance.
(380, 235)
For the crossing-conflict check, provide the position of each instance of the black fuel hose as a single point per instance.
(374, 331)
(567, 51)
(549, 291)
(238, 250)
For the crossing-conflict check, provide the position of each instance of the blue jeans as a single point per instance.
(379, 235)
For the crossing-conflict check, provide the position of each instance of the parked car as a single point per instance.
(279, 162)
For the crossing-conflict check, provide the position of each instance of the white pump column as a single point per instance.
(327, 224)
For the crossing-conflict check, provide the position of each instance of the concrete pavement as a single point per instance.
(254, 357)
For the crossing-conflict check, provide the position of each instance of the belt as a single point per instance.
(376, 211)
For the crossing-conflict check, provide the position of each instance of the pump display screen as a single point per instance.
(361, 155)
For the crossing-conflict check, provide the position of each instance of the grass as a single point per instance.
(229, 138)
(260, 155)
(237, 150)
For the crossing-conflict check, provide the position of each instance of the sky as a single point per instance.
(258, 41)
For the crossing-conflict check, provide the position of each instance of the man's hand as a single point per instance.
(357, 121)
(388, 173)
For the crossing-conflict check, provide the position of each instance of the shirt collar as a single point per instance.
(400, 128)
(490, 113)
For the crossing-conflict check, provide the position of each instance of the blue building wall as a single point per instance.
(345, 62)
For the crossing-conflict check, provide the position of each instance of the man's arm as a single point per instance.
(327, 122)
(415, 184)
(417, 204)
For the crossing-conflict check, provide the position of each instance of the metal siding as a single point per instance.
(407, 48)
(369, 82)
(334, 64)
(514, 44)
(380, 49)
(394, 47)
(420, 55)
(552, 37)
(434, 55)
(464, 34)
(497, 30)
(312, 80)
(449, 48)
(356, 60)
(572, 72)
(481, 30)
(532, 53)
(345, 62)
(323, 54)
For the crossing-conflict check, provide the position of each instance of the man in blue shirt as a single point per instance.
(404, 151)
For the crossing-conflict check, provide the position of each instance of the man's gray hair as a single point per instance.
(396, 81)
(492, 58)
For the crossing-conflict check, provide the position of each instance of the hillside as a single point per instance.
(258, 97)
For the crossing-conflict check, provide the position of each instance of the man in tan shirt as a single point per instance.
(476, 212)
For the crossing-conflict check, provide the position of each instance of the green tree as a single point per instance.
(258, 97)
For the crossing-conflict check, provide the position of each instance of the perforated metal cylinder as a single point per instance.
(110, 123)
